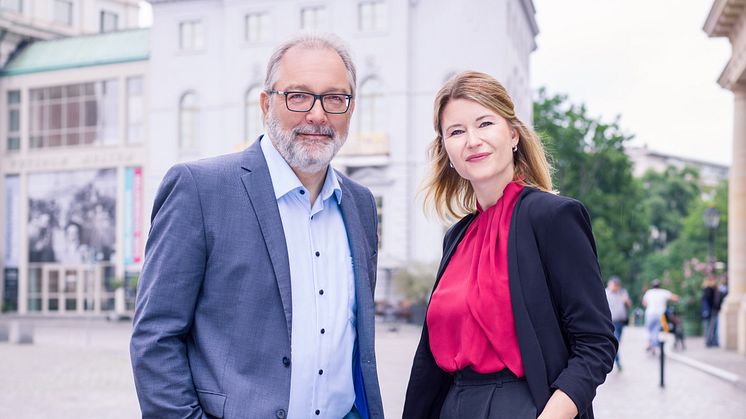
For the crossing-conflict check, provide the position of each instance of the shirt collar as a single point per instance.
(284, 180)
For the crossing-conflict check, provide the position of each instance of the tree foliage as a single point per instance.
(590, 165)
(644, 228)
(670, 195)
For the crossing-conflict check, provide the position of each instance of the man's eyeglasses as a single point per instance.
(334, 103)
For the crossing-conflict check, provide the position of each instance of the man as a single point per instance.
(619, 304)
(256, 296)
(712, 300)
(655, 300)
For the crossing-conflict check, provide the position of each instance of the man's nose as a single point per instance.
(316, 114)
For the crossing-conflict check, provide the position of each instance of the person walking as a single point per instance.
(256, 295)
(655, 301)
(619, 305)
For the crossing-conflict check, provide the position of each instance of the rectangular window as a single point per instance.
(135, 111)
(256, 27)
(14, 120)
(108, 21)
(191, 35)
(73, 115)
(63, 12)
(313, 18)
(12, 5)
(372, 16)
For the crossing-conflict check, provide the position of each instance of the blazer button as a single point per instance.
(280, 414)
(285, 362)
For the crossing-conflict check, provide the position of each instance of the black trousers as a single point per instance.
(499, 395)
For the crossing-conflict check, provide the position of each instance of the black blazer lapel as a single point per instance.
(528, 342)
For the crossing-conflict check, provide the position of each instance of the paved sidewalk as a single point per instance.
(634, 392)
(80, 368)
(727, 365)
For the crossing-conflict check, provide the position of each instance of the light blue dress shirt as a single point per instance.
(323, 293)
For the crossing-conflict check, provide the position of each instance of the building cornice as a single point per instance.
(723, 15)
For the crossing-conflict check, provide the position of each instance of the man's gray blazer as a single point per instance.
(213, 318)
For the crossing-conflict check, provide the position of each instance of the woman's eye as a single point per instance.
(485, 124)
(456, 132)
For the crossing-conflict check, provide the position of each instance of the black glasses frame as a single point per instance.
(315, 98)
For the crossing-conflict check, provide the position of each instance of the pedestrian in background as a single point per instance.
(709, 319)
(619, 304)
(517, 326)
(655, 301)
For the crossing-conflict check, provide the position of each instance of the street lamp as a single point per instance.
(712, 220)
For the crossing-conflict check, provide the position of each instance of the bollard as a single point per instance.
(21, 332)
(4, 332)
(663, 362)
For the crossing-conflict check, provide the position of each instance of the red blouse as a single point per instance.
(470, 318)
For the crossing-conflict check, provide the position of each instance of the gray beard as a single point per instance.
(299, 154)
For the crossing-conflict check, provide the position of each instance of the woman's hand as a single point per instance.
(559, 406)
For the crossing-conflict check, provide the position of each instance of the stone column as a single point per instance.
(733, 312)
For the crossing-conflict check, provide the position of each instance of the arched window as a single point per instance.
(370, 109)
(188, 121)
(252, 114)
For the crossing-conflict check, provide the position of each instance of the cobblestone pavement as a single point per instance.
(80, 368)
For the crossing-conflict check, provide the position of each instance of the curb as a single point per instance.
(738, 381)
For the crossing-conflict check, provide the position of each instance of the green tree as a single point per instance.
(670, 195)
(682, 263)
(590, 165)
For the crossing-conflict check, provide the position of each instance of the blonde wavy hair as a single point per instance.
(450, 195)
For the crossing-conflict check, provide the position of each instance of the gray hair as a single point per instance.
(311, 41)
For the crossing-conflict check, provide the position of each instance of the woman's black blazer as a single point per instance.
(561, 316)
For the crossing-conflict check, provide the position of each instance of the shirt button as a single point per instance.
(321, 292)
(286, 361)
(323, 331)
(318, 412)
(318, 254)
(321, 372)
(280, 414)
(302, 192)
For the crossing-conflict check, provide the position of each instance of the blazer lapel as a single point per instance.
(258, 185)
(363, 296)
(355, 229)
(528, 342)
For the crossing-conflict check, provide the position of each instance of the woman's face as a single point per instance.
(479, 143)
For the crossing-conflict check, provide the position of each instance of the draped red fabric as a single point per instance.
(470, 318)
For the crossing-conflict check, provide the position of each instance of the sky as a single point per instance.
(648, 61)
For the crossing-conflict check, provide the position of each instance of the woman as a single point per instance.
(517, 325)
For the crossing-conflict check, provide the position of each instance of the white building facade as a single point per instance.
(644, 159)
(29, 20)
(207, 66)
(73, 143)
(727, 18)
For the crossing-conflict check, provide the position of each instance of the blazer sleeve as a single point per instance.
(570, 260)
(428, 384)
(170, 281)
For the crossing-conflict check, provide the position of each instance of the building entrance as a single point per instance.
(71, 289)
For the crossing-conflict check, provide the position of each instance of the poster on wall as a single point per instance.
(133, 221)
(72, 216)
(12, 242)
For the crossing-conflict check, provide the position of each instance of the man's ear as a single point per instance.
(264, 102)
